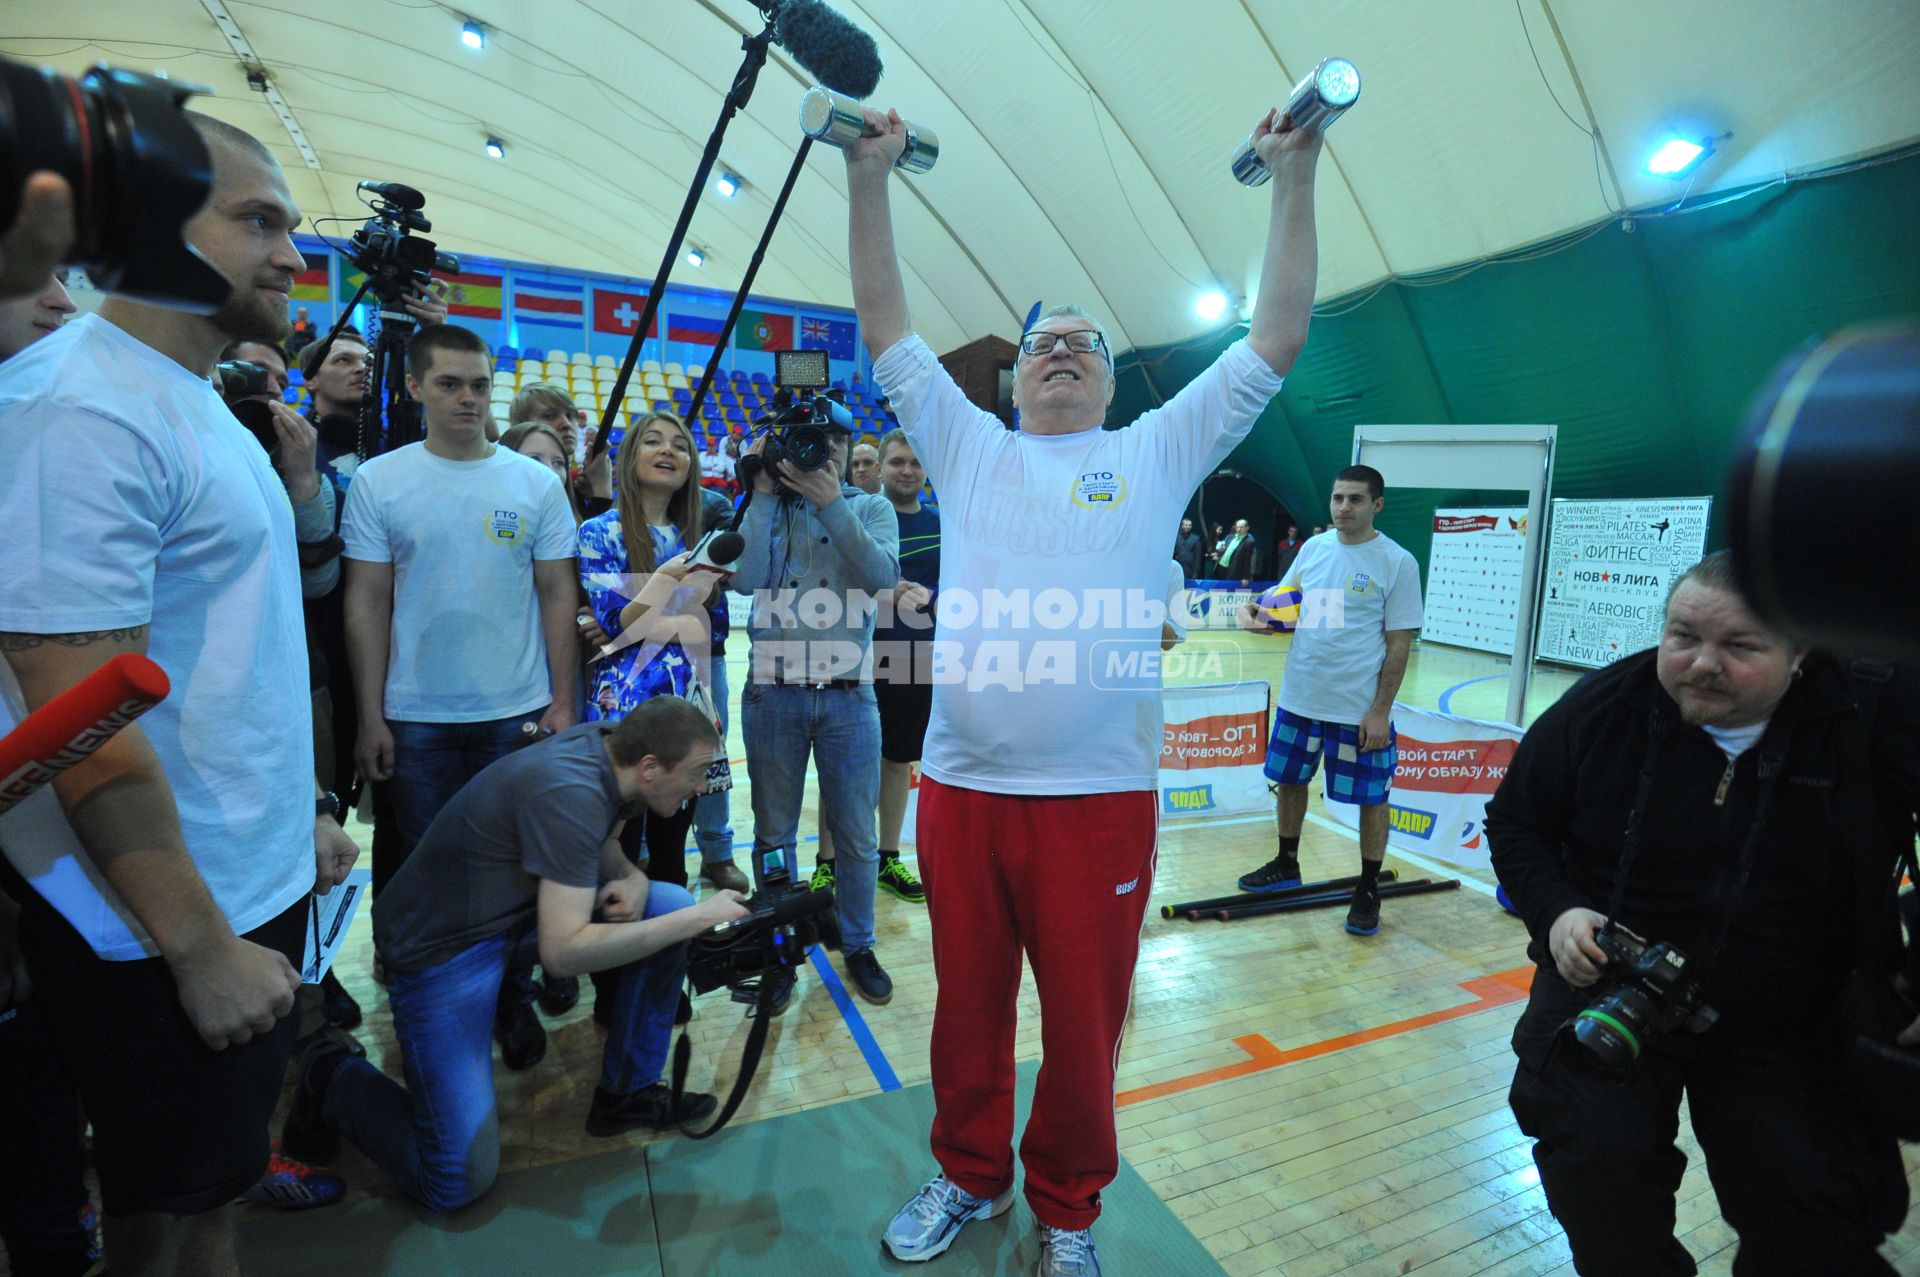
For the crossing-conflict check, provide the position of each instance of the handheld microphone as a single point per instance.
(73, 724)
(397, 194)
(717, 552)
(831, 49)
(829, 117)
(1317, 101)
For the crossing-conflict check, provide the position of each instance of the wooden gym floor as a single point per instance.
(1307, 1102)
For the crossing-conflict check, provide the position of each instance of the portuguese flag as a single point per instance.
(757, 330)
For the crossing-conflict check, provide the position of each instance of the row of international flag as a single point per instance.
(557, 302)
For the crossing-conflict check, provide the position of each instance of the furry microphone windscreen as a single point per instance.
(830, 48)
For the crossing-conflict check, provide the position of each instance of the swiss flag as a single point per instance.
(618, 312)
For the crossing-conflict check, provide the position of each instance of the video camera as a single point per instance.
(242, 382)
(386, 249)
(796, 429)
(1647, 991)
(138, 169)
(778, 929)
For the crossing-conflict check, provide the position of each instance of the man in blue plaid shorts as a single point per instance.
(1360, 606)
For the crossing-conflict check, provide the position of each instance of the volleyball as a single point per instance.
(1279, 608)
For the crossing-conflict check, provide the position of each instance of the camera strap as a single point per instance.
(1773, 761)
(749, 1062)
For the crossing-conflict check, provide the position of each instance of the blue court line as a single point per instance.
(862, 1036)
(1447, 696)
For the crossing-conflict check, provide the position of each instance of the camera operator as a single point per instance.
(25, 320)
(1746, 803)
(526, 853)
(813, 540)
(171, 870)
(336, 380)
(292, 449)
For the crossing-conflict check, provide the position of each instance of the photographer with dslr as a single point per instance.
(1703, 841)
(528, 851)
(818, 553)
(171, 870)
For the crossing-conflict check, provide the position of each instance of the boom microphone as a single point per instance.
(830, 48)
(75, 723)
(397, 194)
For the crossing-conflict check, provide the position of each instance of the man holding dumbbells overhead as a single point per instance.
(1051, 767)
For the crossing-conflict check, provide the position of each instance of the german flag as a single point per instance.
(310, 285)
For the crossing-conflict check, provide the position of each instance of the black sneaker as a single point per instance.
(683, 1013)
(1363, 919)
(896, 878)
(874, 984)
(557, 994)
(651, 1107)
(822, 879)
(337, 1006)
(523, 1042)
(307, 1135)
(1276, 875)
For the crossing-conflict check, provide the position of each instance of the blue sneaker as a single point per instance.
(1363, 919)
(1277, 874)
(1067, 1252)
(293, 1185)
(927, 1225)
(1505, 900)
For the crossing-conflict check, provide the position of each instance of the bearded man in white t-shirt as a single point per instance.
(1360, 607)
(1040, 770)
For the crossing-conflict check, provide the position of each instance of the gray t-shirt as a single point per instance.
(541, 812)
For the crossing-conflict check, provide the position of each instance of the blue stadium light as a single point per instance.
(1678, 156)
(728, 185)
(473, 35)
(696, 257)
(496, 148)
(1211, 304)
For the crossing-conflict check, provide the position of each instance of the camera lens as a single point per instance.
(1613, 1028)
(1837, 427)
(138, 170)
(807, 448)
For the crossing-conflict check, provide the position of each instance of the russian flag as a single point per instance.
(697, 329)
(548, 298)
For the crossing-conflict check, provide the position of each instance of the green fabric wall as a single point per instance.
(1645, 347)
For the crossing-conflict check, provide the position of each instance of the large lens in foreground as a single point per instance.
(1821, 494)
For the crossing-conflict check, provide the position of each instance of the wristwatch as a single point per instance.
(327, 804)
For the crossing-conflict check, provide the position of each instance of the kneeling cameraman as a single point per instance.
(1745, 803)
(529, 844)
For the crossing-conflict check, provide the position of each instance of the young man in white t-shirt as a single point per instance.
(1040, 772)
(460, 602)
(1360, 607)
(167, 877)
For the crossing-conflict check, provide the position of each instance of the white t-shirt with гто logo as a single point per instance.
(462, 536)
(1054, 574)
(1351, 595)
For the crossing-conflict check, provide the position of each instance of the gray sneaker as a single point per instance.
(927, 1225)
(1067, 1252)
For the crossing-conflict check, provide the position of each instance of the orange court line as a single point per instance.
(1499, 989)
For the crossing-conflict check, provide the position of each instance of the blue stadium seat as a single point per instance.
(506, 352)
(533, 352)
(760, 379)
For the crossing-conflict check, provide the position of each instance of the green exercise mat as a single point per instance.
(802, 1195)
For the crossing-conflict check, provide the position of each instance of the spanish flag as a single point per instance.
(472, 295)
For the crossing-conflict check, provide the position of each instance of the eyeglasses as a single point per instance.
(1081, 341)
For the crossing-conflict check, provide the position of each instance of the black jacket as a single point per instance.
(1820, 895)
(1189, 551)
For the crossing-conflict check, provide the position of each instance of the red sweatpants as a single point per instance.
(1067, 880)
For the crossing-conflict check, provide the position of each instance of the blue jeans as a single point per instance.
(431, 762)
(712, 813)
(841, 726)
(439, 1135)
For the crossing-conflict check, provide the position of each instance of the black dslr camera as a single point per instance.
(1646, 990)
(242, 381)
(138, 170)
(386, 249)
(778, 929)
